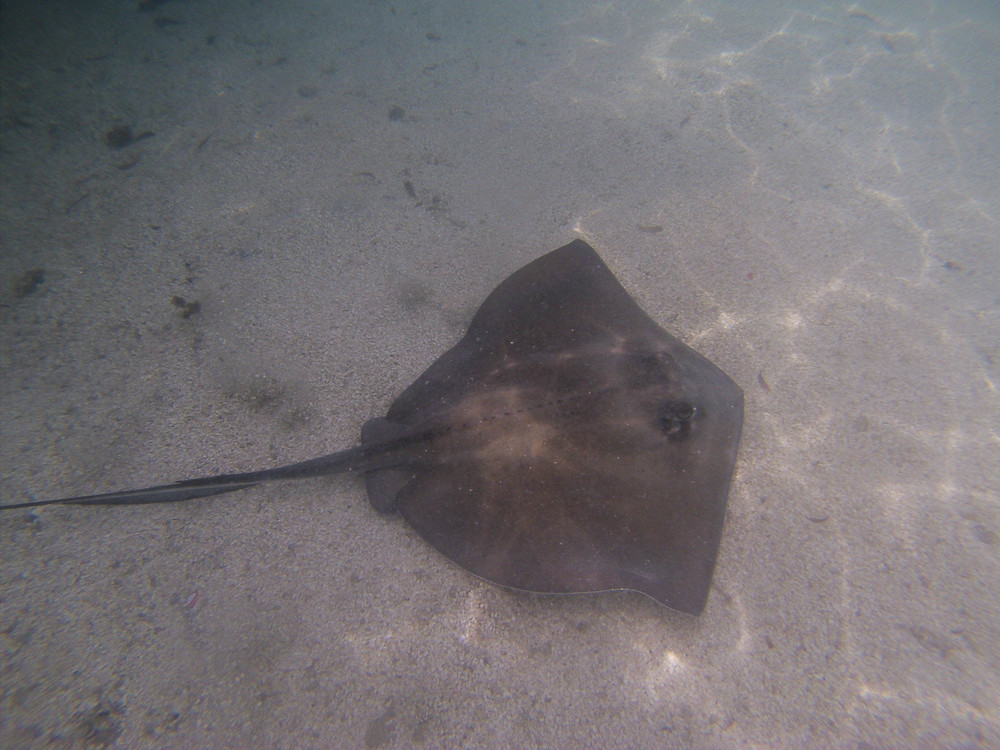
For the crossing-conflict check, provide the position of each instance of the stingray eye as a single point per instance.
(675, 417)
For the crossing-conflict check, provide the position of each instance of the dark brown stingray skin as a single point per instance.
(577, 446)
(566, 444)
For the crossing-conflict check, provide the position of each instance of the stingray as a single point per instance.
(565, 444)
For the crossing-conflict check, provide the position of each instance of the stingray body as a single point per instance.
(566, 444)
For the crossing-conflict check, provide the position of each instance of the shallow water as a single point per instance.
(310, 200)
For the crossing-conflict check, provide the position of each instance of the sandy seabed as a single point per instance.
(232, 232)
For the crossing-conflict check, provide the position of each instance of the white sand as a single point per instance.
(827, 183)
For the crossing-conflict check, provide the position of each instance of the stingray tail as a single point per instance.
(190, 489)
(164, 493)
